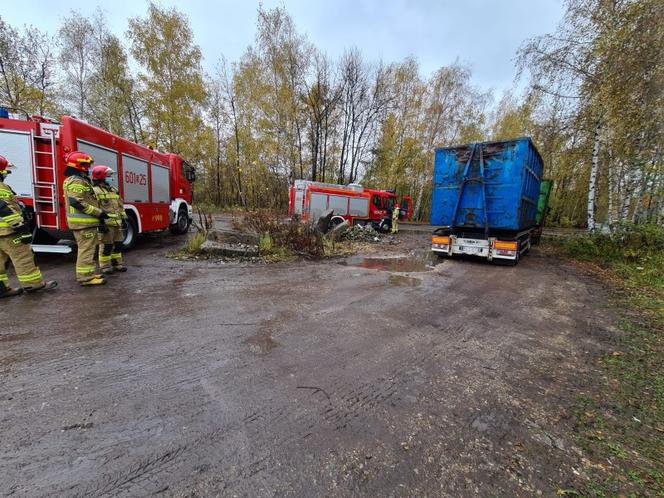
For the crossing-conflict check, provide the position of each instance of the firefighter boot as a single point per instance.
(95, 280)
(6, 291)
(50, 284)
(116, 257)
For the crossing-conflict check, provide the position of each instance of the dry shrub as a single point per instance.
(296, 237)
(204, 222)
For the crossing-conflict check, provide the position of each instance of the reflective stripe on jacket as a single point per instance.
(82, 206)
(111, 202)
(11, 215)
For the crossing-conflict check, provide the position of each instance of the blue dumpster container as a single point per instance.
(487, 187)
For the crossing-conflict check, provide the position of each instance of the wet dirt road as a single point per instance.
(337, 378)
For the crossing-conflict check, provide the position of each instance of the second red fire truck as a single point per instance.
(308, 200)
(156, 186)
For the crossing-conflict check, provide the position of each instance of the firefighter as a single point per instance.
(395, 218)
(85, 217)
(15, 236)
(110, 246)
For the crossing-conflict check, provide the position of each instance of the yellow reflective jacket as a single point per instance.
(110, 201)
(11, 216)
(83, 210)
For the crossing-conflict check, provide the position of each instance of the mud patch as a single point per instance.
(261, 342)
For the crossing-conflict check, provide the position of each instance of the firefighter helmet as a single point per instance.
(5, 164)
(79, 160)
(101, 172)
(5, 167)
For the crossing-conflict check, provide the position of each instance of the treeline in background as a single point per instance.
(593, 105)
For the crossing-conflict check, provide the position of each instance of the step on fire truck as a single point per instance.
(156, 187)
(309, 200)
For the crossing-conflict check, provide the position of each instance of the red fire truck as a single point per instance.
(308, 200)
(156, 186)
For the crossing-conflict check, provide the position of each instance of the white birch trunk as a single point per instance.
(612, 192)
(592, 183)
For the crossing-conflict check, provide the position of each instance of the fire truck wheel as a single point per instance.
(130, 232)
(181, 225)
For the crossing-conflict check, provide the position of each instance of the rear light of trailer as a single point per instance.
(505, 245)
(438, 242)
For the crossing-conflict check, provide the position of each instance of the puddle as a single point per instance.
(403, 281)
(399, 264)
(261, 342)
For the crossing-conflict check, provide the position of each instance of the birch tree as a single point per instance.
(172, 78)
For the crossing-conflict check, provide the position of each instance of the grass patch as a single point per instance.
(192, 247)
(621, 429)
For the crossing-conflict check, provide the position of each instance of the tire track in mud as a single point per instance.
(334, 407)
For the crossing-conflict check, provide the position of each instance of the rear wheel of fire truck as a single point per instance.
(129, 231)
(181, 225)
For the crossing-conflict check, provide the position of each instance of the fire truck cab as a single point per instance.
(156, 186)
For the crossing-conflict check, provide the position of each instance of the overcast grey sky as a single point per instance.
(481, 33)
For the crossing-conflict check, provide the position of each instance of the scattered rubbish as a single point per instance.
(86, 425)
(362, 233)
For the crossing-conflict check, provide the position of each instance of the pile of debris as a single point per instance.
(335, 229)
(362, 233)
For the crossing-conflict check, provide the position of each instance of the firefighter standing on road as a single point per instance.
(395, 218)
(15, 236)
(110, 247)
(85, 218)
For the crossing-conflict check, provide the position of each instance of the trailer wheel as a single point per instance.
(515, 261)
(129, 232)
(181, 225)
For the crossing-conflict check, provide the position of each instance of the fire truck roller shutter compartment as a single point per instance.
(317, 205)
(359, 207)
(338, 204)
(299, 197)
(101, 155)
(160, 184)
(135, 179)
(17, 148)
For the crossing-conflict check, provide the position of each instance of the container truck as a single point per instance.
(156, 186)
(359, 205)
(485, 199)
